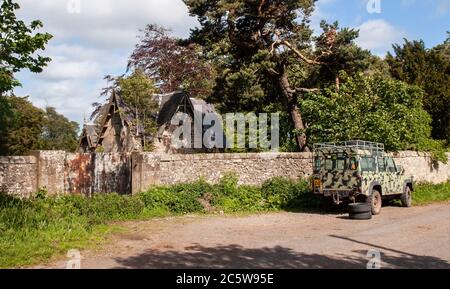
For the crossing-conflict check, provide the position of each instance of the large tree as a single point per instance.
(267, 52)
(137, 91)
(18, 46)
(58, 132)
(22, 127)
(413, 63)
(172, 64)
(26, 128)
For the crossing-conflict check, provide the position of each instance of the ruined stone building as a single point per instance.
(114, 129)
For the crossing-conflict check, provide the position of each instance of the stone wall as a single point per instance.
(422, 167)
(18, 175)
(61, 172)
(252, 169)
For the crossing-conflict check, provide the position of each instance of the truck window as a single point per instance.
(335, 163)
(368, 164)
(353, 164)
(317, 164)
(381, 165)
(390, 165)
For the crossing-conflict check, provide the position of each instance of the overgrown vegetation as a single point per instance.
(429, 193)
(374, 108)
(33, 230)
(25, 127)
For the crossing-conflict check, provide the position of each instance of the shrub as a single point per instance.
(430, 193)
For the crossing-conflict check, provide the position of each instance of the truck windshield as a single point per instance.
(339, 162)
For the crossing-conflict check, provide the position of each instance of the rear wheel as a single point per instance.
(406, 198)
(375, 202)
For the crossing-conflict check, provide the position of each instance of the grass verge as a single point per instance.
(35, 230)
(425, 194)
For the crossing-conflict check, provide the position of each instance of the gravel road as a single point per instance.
(418, 237)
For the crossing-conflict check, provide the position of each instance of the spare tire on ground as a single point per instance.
(360, 211)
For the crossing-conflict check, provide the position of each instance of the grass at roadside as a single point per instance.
(429, 193)
(35, 230)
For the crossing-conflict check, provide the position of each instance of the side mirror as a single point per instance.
(401, 169)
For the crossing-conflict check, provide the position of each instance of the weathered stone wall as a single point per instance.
(97, 173)
(252, 169)
(422, 167)
(50, 170)
(61, 172)
(18, 175)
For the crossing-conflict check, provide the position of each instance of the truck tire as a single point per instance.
(359, 208)
(327, 204)
(375, 202)
(361, 216)
(406, 198)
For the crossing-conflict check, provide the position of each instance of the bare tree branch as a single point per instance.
(299, 54)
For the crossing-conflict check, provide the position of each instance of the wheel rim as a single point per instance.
(377, 202)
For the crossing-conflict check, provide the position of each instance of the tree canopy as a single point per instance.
(18, 46)
(373, 108)
(413, 63)
(171, 64)
(266, 53)
(58, 133)
(26, 127)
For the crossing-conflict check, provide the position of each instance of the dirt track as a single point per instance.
(407, 238)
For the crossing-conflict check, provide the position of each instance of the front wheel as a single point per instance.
(406, 198)
(375, 202)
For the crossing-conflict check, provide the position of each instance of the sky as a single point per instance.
(93, 38)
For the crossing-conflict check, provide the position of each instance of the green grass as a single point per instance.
(429, 193)
(38, 229)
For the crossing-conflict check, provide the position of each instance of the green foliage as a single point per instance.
(24, 127)
(374, 108)
(58, 133)
(430, 193)
(429, 69)
(136, 91)
(18, 46)
(176, 199)
(268, 55)
(35, 229)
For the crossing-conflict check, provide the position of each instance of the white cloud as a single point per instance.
(89, 45)
(378, 36)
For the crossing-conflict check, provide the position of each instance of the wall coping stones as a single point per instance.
(231, 156)
(18, 160)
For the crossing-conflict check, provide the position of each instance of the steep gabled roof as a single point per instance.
(89, 136)
(115, 106)
(168, 105)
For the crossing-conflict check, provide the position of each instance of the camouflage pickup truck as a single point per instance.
(359, 171)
